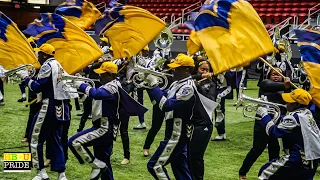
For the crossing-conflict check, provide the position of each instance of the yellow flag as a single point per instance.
(232, 34)
(129, 29)
(75, 49)
(309, 46)
(15, 49)
(82, 13)
(193, 43)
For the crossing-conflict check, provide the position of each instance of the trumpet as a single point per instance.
(11, 74)
(273, 108)
(138, 79)
(69, 86)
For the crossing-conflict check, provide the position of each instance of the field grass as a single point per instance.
(222, 159)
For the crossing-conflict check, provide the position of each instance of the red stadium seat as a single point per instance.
(277, 18)
(262, 16)
(312, 4)
(302, 17)
(268, 18)
(280, 5)
(279, 10)
(285, 16)
(296, 4)
(263, 10)
(267, 26)
(286, 10)
(256, 5)
(271, 5)
(187, 31)
(303, 10)
(179, 31)
(287, 5)
(295, 10)
(270, 10)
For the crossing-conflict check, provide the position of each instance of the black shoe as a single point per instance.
(22, 99)
(2, 102)
(140, 127)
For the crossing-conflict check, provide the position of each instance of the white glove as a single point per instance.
(262, 112)
(77, 84)
(151, 80)
(23, 73)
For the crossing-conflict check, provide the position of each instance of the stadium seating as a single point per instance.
(271, 11)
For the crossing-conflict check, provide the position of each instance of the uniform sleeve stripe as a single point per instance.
(87, 91)
(29, 84)
(269, 125)
(162, 101)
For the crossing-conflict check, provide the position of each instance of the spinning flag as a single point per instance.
(81, 12)
(75, 49)
(129, 29)
(232, 34)
(309, 45)
(14, 47)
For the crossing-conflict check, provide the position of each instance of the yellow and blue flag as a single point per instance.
(81, 12)
(129, 29)
(14, 47)
(309, 45)
(232, 33)
(75, 49)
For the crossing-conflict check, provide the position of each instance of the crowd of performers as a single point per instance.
(181, 105)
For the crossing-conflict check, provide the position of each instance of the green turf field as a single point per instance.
(222, 159)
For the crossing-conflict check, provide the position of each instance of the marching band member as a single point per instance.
(300, 135)
(200, 127)
(104, 115)
(1, 93)
(223, 90)
(144, 59)
(105, 112)
(47, 124)
(157, 119)
(272, 88)
(124, 77)
(178, 105)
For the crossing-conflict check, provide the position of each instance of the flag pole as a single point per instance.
(268, 64)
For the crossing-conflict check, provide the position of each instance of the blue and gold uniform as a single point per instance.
(178, 104)
(47, 123)
(107, 100)
(301, 142)
(100, 136)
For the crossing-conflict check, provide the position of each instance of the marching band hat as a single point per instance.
(298, 95)
(146, 48)
(109, 67)
(182, 60)
(46, 48)
(104, 39)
